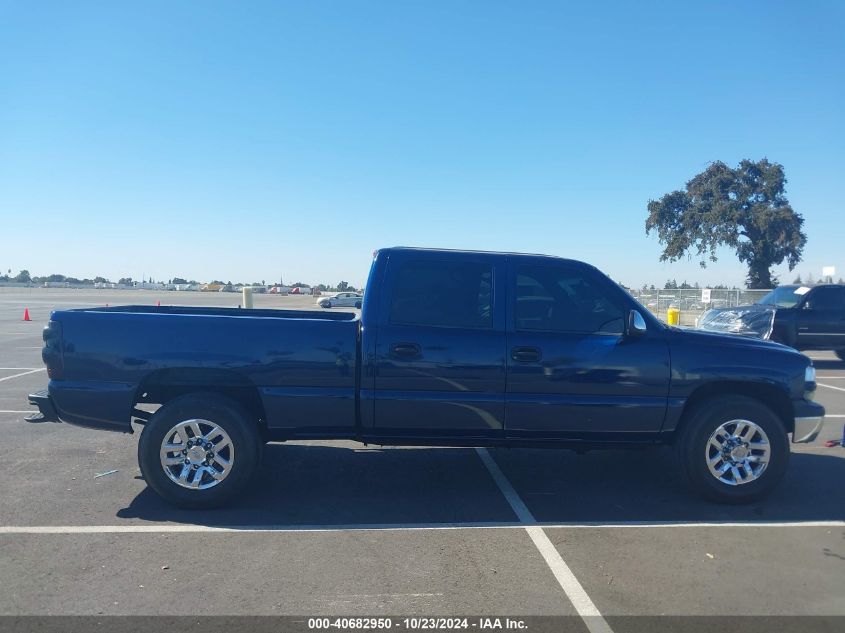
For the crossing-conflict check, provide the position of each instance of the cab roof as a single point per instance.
(453, 251)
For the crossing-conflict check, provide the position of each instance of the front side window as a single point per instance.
(563, 299)
(827, 299)
(443, 293)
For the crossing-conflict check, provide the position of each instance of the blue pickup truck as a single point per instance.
(452, 348)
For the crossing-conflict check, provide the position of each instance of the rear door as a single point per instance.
(821, 321)
(440, 349)
(572, 372)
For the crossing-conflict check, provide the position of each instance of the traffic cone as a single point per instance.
(158, 304)
(26, 314)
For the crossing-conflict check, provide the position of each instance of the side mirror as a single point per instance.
(636, 324)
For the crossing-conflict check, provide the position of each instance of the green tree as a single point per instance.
(342, 286)
(23, 277)
(743, 208)
(797, 280)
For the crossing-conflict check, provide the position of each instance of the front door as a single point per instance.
(440, 349)
(821, 321)
(572, 371)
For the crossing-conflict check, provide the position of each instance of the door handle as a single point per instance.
(408, 350)
(526, 354)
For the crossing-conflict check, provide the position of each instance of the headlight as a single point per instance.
(810, 383)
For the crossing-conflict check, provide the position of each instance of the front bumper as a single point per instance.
(809, 420)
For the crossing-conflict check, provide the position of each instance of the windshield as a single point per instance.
(786, 297)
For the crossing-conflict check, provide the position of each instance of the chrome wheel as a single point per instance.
(737, 452)
(197, 454)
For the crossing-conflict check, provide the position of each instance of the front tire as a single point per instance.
(732, 449)
(199, 450)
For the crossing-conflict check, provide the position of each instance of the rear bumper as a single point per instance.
(46, 410)
(809, 420)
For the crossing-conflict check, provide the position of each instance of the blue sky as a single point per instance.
(249, 140)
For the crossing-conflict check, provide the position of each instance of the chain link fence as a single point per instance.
(690, 301)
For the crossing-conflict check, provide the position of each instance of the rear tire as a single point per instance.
(738, 437)
(204, 479)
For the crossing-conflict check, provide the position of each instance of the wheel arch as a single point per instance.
(765, 393)
(163, 385)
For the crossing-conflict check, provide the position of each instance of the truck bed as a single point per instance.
(302, 365)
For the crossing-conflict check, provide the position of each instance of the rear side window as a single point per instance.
(443, 293)
(562, 299)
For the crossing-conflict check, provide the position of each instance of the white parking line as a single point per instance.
(568, 582)
(10, 411)
(17, 368)
(31, 371)
(821, 384)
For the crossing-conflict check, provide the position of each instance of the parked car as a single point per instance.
(803, 317)
(342, 299)
(452, 348)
